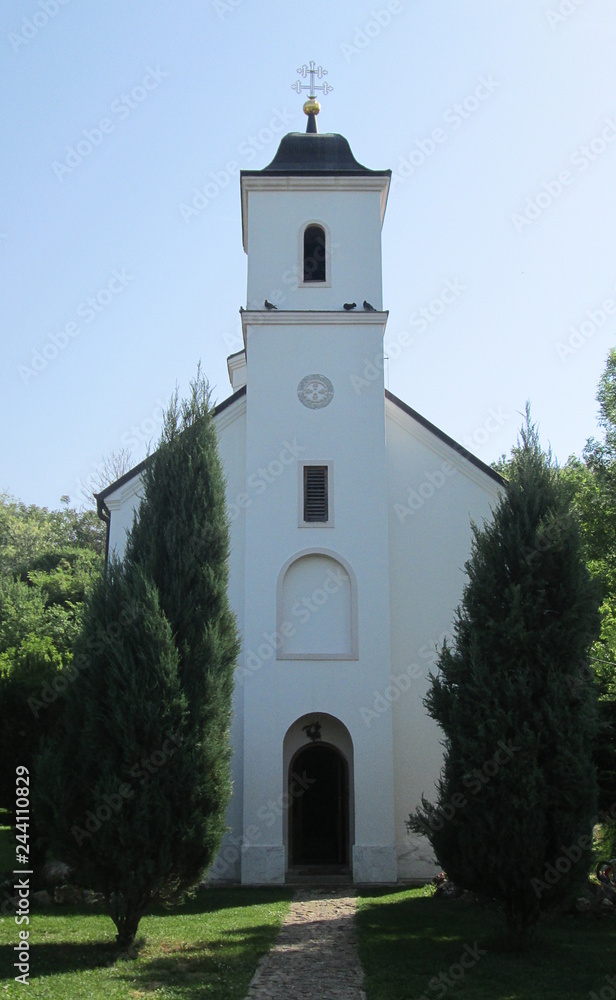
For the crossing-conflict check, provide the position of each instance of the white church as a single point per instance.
(350, 524)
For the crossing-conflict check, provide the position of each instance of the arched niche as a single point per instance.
(317, 608)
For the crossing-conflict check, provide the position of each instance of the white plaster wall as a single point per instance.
(231, 432)
(349, 432)
(428, 549)
(275, 222)
(122, 505)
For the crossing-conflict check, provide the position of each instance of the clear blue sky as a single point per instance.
(480, 107)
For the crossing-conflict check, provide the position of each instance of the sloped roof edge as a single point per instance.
(489, 471)
(100, 497)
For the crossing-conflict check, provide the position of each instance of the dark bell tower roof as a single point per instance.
(314, 153)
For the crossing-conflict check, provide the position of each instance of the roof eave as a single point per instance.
(455, 445)
(112, 487)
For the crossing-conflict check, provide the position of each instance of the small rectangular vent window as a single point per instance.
(316, 507)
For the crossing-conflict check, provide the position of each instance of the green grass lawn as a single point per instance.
(408, 939)
(207, 949)
(412, 946)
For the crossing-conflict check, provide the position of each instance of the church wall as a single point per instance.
(433, 493)
(122, 505)
(231, 432)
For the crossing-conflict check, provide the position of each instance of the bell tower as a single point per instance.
(316, 644)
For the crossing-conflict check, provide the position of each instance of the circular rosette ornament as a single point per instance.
(315, 391)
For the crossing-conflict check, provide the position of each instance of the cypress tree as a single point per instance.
(515, 699)
(180, 539)
(112, 787)
(135, 790)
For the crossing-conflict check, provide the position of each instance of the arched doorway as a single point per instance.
(318, 808)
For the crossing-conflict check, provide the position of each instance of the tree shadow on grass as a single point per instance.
(69, 956)
(202, 959)
(214, 898)
(412, 942)
(205, 956)
(202, 963)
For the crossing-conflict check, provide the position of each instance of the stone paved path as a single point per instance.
(315, 954)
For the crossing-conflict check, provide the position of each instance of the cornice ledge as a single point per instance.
(115, 501)
(303, 317)
(312, 182)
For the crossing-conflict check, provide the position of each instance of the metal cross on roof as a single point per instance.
(311, 70)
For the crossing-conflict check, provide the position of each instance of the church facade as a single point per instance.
(350, 523)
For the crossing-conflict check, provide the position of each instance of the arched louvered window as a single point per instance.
(314, 253)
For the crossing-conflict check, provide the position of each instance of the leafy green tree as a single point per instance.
(24, 672)
(64, 575)
(48, 559)
(517, 705)
(26, 612)
(39, 622)
(22, 611)
(27, 532)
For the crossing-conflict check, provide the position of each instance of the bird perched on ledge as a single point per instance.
(349, 305)
(269, 305)
(368, 307)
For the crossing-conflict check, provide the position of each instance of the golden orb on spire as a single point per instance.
(312, 107)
